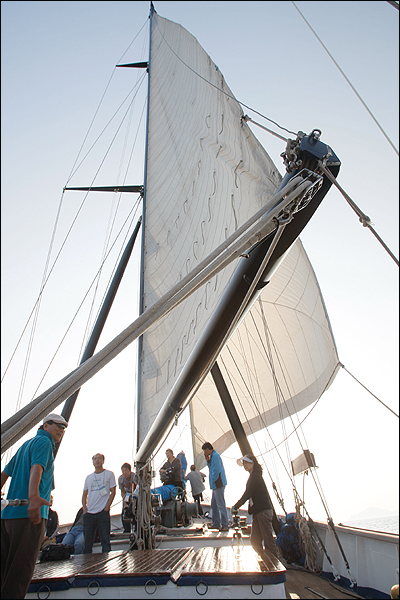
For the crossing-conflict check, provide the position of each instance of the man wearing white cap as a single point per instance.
(23, 527)
(260, 507)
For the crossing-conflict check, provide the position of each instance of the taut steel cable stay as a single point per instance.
(369, 391)
(226, 93)
(366, 221)
(90, 287)
(44, 283)
(100, 103)
(348, 80)
(111, 225)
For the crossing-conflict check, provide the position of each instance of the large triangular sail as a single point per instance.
(206, 175)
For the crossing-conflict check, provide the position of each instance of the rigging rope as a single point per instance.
(306, 536)
(74, 220)
(112, 223)
(247, 118)
(222, 91)
(44, 281)
(278, 391)
(348, 80)
(35, 310)
(36, 307)
(376, 397)
(268, 354)
(254, 403)
(280, 501)
(314, 475)
(90, 287)
(321, 544)
(307, 546)
(366, 221)
(100, 103)
(304, 530)
(137, 85)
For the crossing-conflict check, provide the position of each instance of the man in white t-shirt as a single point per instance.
(98, 494)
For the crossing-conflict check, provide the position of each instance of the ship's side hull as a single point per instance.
(373, 558)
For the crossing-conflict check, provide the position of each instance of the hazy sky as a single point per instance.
(57, 58)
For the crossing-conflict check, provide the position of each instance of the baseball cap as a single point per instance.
(244, 458)
(56, 419)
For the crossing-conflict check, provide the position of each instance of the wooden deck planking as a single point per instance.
(298, 583)
(112, 564)
(78, 563)
(185, 566)
(226, 560)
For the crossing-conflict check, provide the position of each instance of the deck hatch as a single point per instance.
(78, 563)
(109, 569)
(141, 563)
(214, 565)
(183, 566)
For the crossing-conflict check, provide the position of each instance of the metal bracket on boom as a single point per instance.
(306, 150)
(301, 201)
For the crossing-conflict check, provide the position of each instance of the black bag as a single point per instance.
(56, 552)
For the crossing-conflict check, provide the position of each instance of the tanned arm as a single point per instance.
(110, 499)
(35, 501)
(84, 501)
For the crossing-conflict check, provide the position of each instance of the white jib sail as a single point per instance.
(279, 360)
(206, 175)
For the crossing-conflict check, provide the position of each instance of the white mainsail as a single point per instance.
(206, 175)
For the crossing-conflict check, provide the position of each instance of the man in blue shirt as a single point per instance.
(183, 460)
(23, 527)
(217, 486)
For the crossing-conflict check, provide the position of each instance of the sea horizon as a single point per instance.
(387, 524)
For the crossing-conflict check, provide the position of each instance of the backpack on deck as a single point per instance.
(56, 552)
